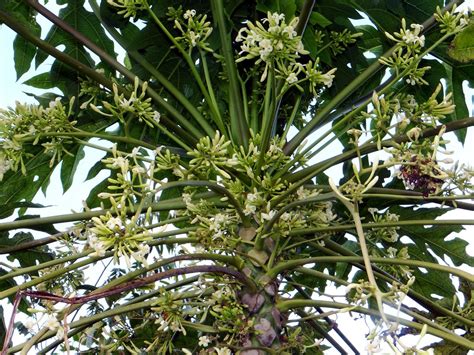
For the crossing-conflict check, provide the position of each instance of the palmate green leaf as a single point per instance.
(431, 282)
(24, 52)
(86, 23)
(434, 237)
(462, 47)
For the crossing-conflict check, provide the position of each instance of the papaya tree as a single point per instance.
(272, 168)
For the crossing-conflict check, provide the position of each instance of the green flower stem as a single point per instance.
(349, 120)
(434, 308)
(286, 305)
(89, 320)
(218, 118)
(346, 227)
(238, 121)
(292, 264)
(300, 177)
(267, 118)
(348, 90)
(117, 66)
(51, 50)
(89, 260)
(171, 204)
(294, 112)
(254, 105)
(154, 72)
(194, 72)
(354, 211)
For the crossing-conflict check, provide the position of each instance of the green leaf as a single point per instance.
(462, 47)
(7, 210)
(24, 52)
(318, 19)
(17, 187)
(28, 257)
(454, 84)
(41, 81)
(434, 237)
(371, 39)
(69, 166)
(89, 26)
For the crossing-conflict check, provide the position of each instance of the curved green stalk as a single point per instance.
(192, 67)
(117, 66)
(292, 264)
(285, 305)
(155, 73)
(301, 177)
(212, 95)
(238, 121)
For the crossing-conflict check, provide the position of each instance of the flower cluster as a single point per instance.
(194, 28)
(422, 174)
(405, 58)
(125, 237)
(401, 271)
(340, 40)
(129, 8)
(32, 124)
(388, 234)
(274, 43)
(137, 105)
(130, 187)
(451, 21)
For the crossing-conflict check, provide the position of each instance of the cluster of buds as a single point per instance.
(406, 56)
(451, 21)
(32, 123)
(388, 234)
(137, 105)
(194, 28)
(129, 8)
